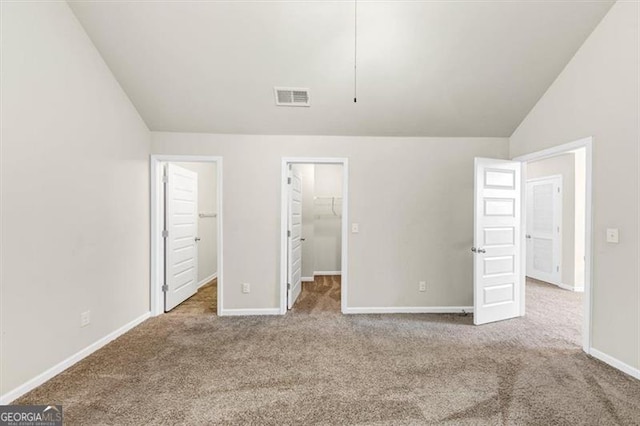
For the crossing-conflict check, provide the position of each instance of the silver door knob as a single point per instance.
(473, 249)
(481, 250)
(528, 236)
(197, 239)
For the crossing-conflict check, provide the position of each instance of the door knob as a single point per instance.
(528, 236)
(473, 249)
(481, 250)
(302, 239)
(197, 239)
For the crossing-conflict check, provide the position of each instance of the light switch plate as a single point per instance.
(355, 228)
(613, 235)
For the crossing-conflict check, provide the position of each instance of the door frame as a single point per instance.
(586, 143)
(284, 203)
(556, 213)
(156, 162)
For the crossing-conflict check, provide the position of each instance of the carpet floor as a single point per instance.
(316, 366)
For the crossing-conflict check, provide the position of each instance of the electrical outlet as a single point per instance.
(613, 235)
(85, 318)
(246, 288)
(422, 286)
(355, 228)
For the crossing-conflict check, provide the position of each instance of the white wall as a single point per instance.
(307, 172)
(415, 219)
(580, 217)
(563, 165)
(328, 218)
(207, 226)
(75, 194)
(597, 95)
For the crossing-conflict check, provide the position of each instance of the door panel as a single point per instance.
(294, 264)
(496, 240)
(181, 222)
(544, 217)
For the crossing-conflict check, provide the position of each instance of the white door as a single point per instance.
(181, 236)
(544, 240)
(496, 247)
(294, 268)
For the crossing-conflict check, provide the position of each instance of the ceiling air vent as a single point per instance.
(289, 96)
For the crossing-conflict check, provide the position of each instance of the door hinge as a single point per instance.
(288, 286)
(288, 233)
(165, 179)
(288, 181)
(558, 190)
(165, 288)
(557, 268)
(165, 233)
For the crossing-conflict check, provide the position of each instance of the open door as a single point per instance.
(497, 240)
(294, 233)
(544, 240)
(181, 235)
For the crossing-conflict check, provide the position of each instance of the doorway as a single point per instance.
(501, 246)
(557, 218)
(314, 234)
(186, 234)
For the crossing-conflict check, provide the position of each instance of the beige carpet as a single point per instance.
(316, 366)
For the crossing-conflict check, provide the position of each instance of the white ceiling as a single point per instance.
(424, 68)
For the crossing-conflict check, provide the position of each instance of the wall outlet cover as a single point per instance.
(85, 318)
(613, 235)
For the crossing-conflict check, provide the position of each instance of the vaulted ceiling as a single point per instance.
(443, 68)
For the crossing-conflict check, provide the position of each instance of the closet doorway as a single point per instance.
(186, 234)
(314, 235)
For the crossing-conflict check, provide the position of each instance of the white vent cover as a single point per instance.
(291, 96)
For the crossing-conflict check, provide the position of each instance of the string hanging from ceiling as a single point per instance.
(355, 51)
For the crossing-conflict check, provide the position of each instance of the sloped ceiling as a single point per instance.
(424, 68)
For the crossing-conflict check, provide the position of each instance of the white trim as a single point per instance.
(570, 287)
(156, 248)
(73, 359)
(411, 310)
(208, 279)
(283, 224)
(322, 273)
(543, 178)
(586, 143)
(615, 363)
(245, 312)
(307, 279)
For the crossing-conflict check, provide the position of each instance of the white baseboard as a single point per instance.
(615, 363)
(243, 312)
(208, 279)
(319, 273)
(569, 287)
(411, 310)
(307, 279)
(60, 367)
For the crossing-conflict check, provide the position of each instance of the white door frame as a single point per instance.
(284, 200)
(586, 143)
(557, 218)
(157, 225)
